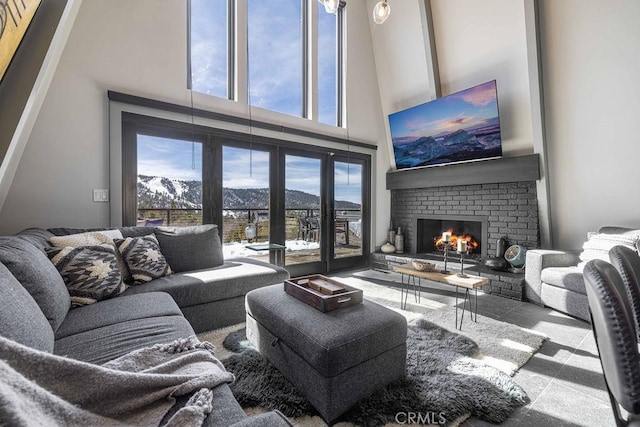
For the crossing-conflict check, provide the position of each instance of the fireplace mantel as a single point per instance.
(504, 169)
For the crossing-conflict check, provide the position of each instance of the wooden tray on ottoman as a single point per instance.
(328, 294)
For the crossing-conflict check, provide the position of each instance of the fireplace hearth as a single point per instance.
(506, 209)
(471, 228)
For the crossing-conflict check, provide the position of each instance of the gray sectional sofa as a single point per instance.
(35, 310)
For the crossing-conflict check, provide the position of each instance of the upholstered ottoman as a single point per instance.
(336, 358)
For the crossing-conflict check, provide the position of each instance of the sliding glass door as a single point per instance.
(349, 196)
(303, 208)
(312, 202)
(246, 194)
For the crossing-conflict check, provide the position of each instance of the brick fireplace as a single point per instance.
(499, 195)
(509, 209)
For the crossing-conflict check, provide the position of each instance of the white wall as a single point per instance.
(591, 70)
(478, 41)
(399, 48)
(138, 48)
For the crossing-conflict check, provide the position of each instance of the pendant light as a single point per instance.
(331, 6)
(381, 12)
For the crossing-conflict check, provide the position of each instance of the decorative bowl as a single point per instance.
(423, 266)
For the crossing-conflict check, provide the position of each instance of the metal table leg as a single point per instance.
(476, 318)
(457, 308)
(404, 293)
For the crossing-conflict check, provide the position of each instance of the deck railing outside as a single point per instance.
(235, 220)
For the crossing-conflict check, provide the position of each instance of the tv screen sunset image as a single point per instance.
(459, 127)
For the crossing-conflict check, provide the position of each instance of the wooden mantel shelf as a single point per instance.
(504, 169)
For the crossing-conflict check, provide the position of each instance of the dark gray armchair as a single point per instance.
(627, 262)
(614, 331)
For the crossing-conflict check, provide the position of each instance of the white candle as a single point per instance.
(446, 236)
(462, 245)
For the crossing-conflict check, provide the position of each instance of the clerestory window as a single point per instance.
(281, 55)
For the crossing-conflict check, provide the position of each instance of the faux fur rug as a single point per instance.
(443, 377)
(502, 345)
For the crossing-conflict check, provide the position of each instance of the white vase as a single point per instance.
(388, 248)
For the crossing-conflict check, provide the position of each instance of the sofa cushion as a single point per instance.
(38, 237)
(39, 277)
(64, 231)
(135, 231)
(110, 342)
(21, 319)
(191, 248)
(569, 278)
(117, 310)
(143, 258)
(90, 273)
(232, 279)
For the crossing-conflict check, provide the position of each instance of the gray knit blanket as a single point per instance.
(137, 389)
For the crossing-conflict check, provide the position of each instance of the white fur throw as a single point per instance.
(598, 244)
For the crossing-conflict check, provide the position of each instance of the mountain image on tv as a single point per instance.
(459, 127)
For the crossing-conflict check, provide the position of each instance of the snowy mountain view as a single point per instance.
(156, 192)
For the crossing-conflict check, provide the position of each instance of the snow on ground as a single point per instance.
(237, 249)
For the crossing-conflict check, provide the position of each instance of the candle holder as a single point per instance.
(462, 274)
(446, 251)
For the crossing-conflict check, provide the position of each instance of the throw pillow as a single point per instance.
(143, 258)
(598, 245)
(91, 273)
(90, 238)
(191, 248)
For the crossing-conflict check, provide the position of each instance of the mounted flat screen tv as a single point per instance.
(459, 127)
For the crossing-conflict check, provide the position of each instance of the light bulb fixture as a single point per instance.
(381, 12)
(331, 6)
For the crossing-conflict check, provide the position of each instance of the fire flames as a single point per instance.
(472, 244)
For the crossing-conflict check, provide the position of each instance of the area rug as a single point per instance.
(444, 382)
(486, 353)
(502, 345)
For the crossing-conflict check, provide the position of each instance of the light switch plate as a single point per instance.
(100, 195)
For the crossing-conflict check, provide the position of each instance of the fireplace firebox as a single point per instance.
(471, 228)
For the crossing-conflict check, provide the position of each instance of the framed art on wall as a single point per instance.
(15, 16)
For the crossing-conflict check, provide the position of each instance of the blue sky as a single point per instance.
(169, 158)
(463, 109)
(275, 54)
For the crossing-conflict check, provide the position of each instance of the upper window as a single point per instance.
(209, 47)
(285, 70)
(327, 67)
(275, 55)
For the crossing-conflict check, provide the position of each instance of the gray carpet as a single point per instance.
(442, 377)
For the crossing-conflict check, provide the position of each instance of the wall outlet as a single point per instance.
(100, 195)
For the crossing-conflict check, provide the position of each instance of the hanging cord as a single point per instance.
(348, 155)
(249, 106)
(193, 134)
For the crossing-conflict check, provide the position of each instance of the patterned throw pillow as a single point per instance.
(90, 273)
(143, 257)
(91, 238)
